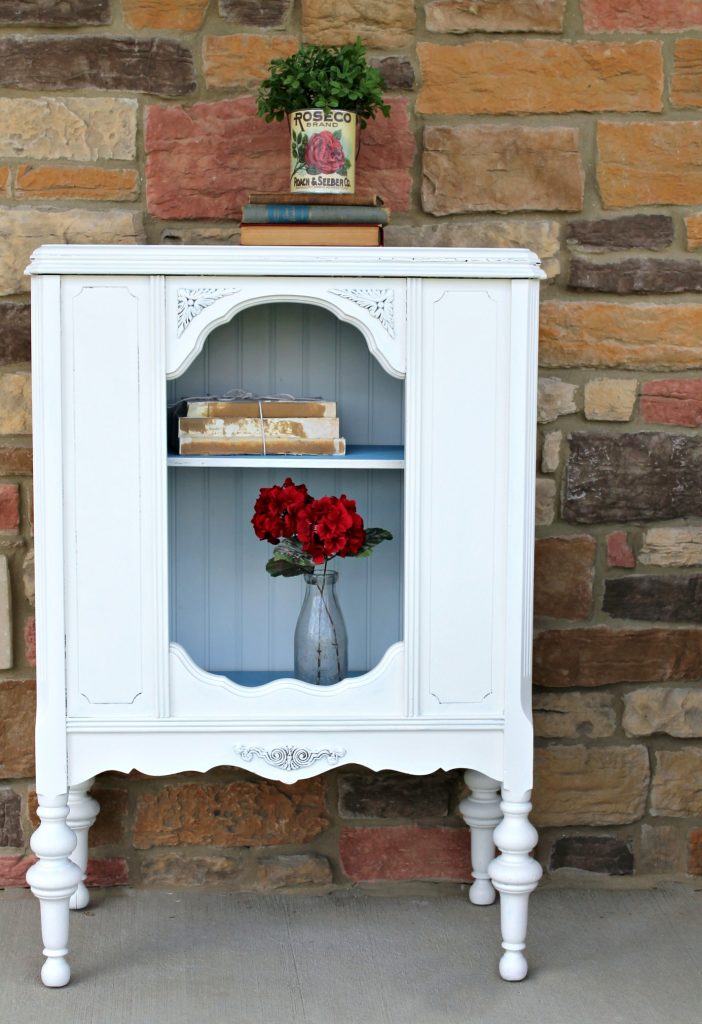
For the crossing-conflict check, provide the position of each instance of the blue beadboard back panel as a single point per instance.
(224, 608)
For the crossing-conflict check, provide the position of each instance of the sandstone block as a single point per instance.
(55, 15)
(693, 228)
(383, 26)
(555, 398)
(619, 552)
(405, 853)
(694, 863)
(397, 72)
(545, 501)
(489, 16)
(13, 871)
(635, 231)
(15, 403)
(541, 236)
(160, 66)
(687, 75)
(181, 15)
(605, 855)
(21, 231)
(672, 545)
(15, 332)
(110, 825)
(293, 871)
(30, 641)
(638, 275)
(230, 814)
(6, 650)
(623, 477)
(198, 234)
(202, 160)
(590, 786)
(539, 76)
(649, 164)
(107, 871)
(564, 570)
(10, 818)
(488, 167)
(661, 850)
(640, 15)
(676, 711)
(676, 791)
(573, 715)
(610, 334)
(655, 598)
(610, 398)
(600, 656)
(181, 869)
(74, 128)
(52, 182)
(9, 508)
(677, 402)
(262, 13)
(232, 61)
(15, 461)
(391, 795)
(5, 181)
(17, 712)
(551, 451)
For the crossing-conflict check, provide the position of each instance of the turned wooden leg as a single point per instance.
(53, 880)
(514, 874)
(82, 812)
(481, 812)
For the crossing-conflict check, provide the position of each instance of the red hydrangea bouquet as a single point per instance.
(308, 532)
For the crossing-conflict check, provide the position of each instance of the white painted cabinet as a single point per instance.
(163, 646)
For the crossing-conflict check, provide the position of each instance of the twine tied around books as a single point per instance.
(241, 395)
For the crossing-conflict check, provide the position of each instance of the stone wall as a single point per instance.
(569, 126)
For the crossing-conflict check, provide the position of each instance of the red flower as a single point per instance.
(276, 510)
(324, 153)
(330, 526)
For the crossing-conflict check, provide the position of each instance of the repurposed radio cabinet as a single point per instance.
(163, 646)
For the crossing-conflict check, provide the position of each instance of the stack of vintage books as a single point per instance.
(289, 218)
(260, 427)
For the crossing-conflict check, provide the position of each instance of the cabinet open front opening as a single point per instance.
(228, 614)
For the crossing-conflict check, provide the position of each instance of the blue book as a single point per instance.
(303, 213)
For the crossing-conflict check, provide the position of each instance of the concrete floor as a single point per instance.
(145, 957)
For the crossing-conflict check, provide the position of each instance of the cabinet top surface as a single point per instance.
(284, 261)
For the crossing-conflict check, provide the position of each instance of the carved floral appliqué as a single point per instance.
(379, 302)
(289, 758)
(192, 302)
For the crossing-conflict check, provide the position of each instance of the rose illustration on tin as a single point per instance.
(324, 154)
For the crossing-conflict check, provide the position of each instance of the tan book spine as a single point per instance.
(311, 234)
(250, 446)
(313, 427)
(248, 407)
(317, 199)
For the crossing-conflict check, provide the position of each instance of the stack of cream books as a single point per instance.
(265, 427)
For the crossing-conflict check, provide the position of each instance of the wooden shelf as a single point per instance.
(357, 457)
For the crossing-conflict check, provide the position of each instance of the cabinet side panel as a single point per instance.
(108, 519)
(464, 381)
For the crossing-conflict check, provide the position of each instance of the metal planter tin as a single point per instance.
(322, 151)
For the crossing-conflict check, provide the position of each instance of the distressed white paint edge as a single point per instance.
(275, 261)
(51, 748)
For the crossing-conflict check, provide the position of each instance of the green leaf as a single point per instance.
(280, 567)
(289, 559)
(375, 535)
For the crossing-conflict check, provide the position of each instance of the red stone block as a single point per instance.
(677, 402)
(204, 160)
(13, 871)
(110, 871)
(405, 853)
(641, 15)
(9, 507)
(30, 641)
(619, 553)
